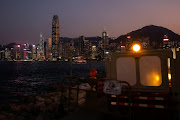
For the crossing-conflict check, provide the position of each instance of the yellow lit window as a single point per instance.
(150, 71)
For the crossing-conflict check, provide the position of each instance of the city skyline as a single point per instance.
(23, 21)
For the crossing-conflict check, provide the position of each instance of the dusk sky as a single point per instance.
(22, 21)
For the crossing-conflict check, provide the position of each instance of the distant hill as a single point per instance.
(151, 32)
(10, 45)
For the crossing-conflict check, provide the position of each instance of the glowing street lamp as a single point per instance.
(136, 47)
(107, 52)
(169, 76)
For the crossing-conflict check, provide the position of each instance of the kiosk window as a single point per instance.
(126, 70)
(150, 71)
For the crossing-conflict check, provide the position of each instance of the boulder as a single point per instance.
(40, 99)
(48, 101)
(2, 117)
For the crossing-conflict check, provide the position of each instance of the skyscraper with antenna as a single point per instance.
(105, 40)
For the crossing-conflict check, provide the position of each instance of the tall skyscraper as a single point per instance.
(17, 49)
(105, 39)
(81, 45)
(55, 37)
(38, 53)
(41, 47)
(48, 48)
(34, 55)
(41, 44)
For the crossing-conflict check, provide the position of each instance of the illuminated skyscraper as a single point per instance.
(55, 37)
(17, 49)
(34, 55)
(48, 49)
(41, 44)
(105, 39)
(81, 45)
(41, 47)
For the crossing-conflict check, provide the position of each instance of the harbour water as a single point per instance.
(19, 79)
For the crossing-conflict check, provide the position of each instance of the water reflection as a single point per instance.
(18, 79)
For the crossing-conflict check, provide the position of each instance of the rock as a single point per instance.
(2, 117)
(29, 107)
(22, 107)
(48, 101)
(20, 118)
(80, 101)
(81, 94)
(55, 99)
(52, 93)
(40, 106)
(13, 107)
(41, 116)
(52, 107)
(40, 99)
(54, 88)
(11, 116)
(30, 99)
(17, 107)
(58, 94)
(83, 86)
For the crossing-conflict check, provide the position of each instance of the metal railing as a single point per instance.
(68, 86)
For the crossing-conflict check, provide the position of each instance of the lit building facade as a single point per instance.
(48, 49)
(94, 52)
(38, 53)
(67, 50)
(2, 55)
(41, 47)
(87, 49)
(55, 37)
(166, 42)
(105, 40)
(17, 49)
(81, 45)
(7, 54)
(34, 55)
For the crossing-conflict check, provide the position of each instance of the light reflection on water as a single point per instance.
(18, 79)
